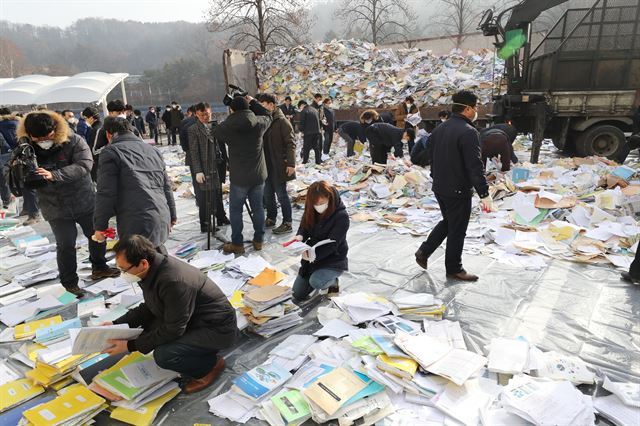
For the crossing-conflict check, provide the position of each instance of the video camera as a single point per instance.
(234, 91)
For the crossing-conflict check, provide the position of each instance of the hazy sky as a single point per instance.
(62, 13)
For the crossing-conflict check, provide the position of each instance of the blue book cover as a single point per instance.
(387, 345)
(623, 172)
(324, 370)
(261, 380)
(91, 361)
(519, 175)
(13, 416)
(57, 331)
(371, 389)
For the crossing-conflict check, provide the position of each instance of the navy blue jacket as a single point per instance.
(386, 135)
(332, 255)
(8, 126)
(456, 160)
(355, 130)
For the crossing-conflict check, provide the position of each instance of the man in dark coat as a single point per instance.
(152, 121)
(188, 120)
(351, 131)
(511, 133)
(329, 126)
(310, 127)
(201, 144)
(280, 152)
(288, 109)
(173, 120)
(186, 318)
(65, 192)
(382, 137)
(495, 143)
(91, 116)
(138, 122)
(456, 169)
(243, 131)
(133, 186)
(317, 105)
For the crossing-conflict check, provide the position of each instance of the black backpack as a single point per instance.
(21, 174)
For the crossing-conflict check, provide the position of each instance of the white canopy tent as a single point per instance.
(86, 87)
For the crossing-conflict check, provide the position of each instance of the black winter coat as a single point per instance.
(180, 302)
(280, 148)
(355, 130)
(133, 186)
(243, 131)
(456, 160)
(309, 121)
(288, 110)
(386, 135)
(184, 135)
(71, 194)
(151, 119)
(332, 255)
(330, 116)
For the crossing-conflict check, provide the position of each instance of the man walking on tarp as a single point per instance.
(310, 128)
(456, 169)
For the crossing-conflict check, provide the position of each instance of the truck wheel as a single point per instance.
(604, 141)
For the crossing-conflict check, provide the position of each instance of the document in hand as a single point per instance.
(333, 390)
(296, 248)
(89, 340)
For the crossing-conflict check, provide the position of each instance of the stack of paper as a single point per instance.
(290, 354)
(419, 306)
(35, 276)
(29, 329)
(508, 356)
(457, 365)
(88, 340)
(269, 309)
(545, 402)
(16, 392)
(250, 266)
(362, 307)
(134, 381)
(75, 407)
(260, 382)
(55, 363)
(16, 265)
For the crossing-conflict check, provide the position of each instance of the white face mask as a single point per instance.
(45, 144)
(443, 120)
(368, 121)
(475, 116)
(321, 208)
(130, 278)
(405, 140)
(408, 105)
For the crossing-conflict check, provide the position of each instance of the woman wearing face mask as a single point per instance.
(65, 192)
(324, 218)
(407, 107)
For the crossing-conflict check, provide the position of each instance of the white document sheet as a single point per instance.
(146, 373)
(458, 365)
(614, 409)
(335, 328)
(508, 356)
(88, 340)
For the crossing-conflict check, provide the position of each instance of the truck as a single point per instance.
(581, 85)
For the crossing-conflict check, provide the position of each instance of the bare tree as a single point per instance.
(462, 17)
(377, 20)
(260, 24)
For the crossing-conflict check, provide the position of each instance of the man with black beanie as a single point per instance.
(242, 131)
(456, 169)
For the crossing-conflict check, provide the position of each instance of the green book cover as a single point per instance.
(117, 382)
(291, 405)
(368, 345)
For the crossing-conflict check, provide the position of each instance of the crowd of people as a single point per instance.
(88, 171)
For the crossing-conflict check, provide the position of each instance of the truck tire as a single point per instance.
(604, 141)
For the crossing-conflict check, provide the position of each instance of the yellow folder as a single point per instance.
(144, 415)
(26, 330)
(71, 404)
(17, 392)
(267, 277)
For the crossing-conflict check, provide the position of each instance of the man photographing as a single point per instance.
(242, 131)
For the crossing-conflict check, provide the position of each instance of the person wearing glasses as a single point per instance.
(456, 169)
(187, 320)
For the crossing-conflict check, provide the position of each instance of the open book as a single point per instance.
(296, 248)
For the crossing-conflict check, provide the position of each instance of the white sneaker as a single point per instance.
(325, 157)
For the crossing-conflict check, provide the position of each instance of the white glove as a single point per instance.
(200, 178)
(308, 255)
(486, 204)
